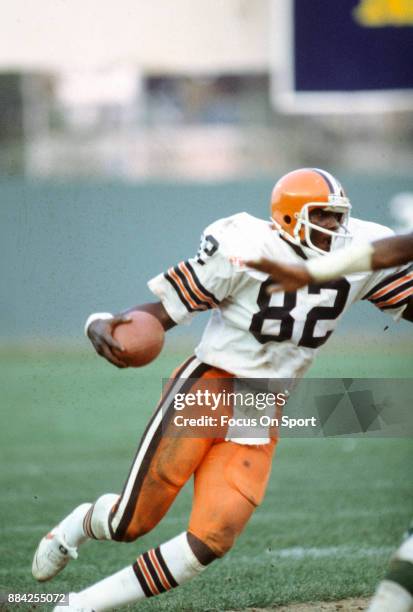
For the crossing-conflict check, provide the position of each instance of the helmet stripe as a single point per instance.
(333, 184)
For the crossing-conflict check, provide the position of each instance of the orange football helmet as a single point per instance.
(299, 192)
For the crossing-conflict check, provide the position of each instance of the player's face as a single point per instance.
(327, 220)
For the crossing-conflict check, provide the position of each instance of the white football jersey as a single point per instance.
(251, 334)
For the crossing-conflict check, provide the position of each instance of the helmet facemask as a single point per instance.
(303, 226)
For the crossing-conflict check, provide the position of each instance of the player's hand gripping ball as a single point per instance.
(142, 339)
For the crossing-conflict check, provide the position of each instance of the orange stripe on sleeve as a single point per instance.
(194, 288)
(393, 285)
(397, 298)
(185, 293)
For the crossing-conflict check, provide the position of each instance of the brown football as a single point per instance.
(142, 339)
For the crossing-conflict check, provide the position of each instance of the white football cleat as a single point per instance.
(51, 556)
(73, 606)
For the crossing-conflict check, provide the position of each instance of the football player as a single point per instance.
(395, 591)
(250, 334)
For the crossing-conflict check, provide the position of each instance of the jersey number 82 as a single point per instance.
(287, 321)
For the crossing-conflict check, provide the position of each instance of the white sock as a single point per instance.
(179, 558)
(391, 596)
(153, 573)
(117, 590)
(72, 526)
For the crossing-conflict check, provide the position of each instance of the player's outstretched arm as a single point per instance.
(384, 253)
(288, 277)
(99, 329)
(394, 251)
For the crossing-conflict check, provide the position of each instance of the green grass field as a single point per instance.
(334, 510)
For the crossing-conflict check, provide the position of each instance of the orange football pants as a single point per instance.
(229, 479)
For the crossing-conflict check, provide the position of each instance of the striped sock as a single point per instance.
(153, 573)
(167, 566)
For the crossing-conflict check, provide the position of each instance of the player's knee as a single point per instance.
(102, 510)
